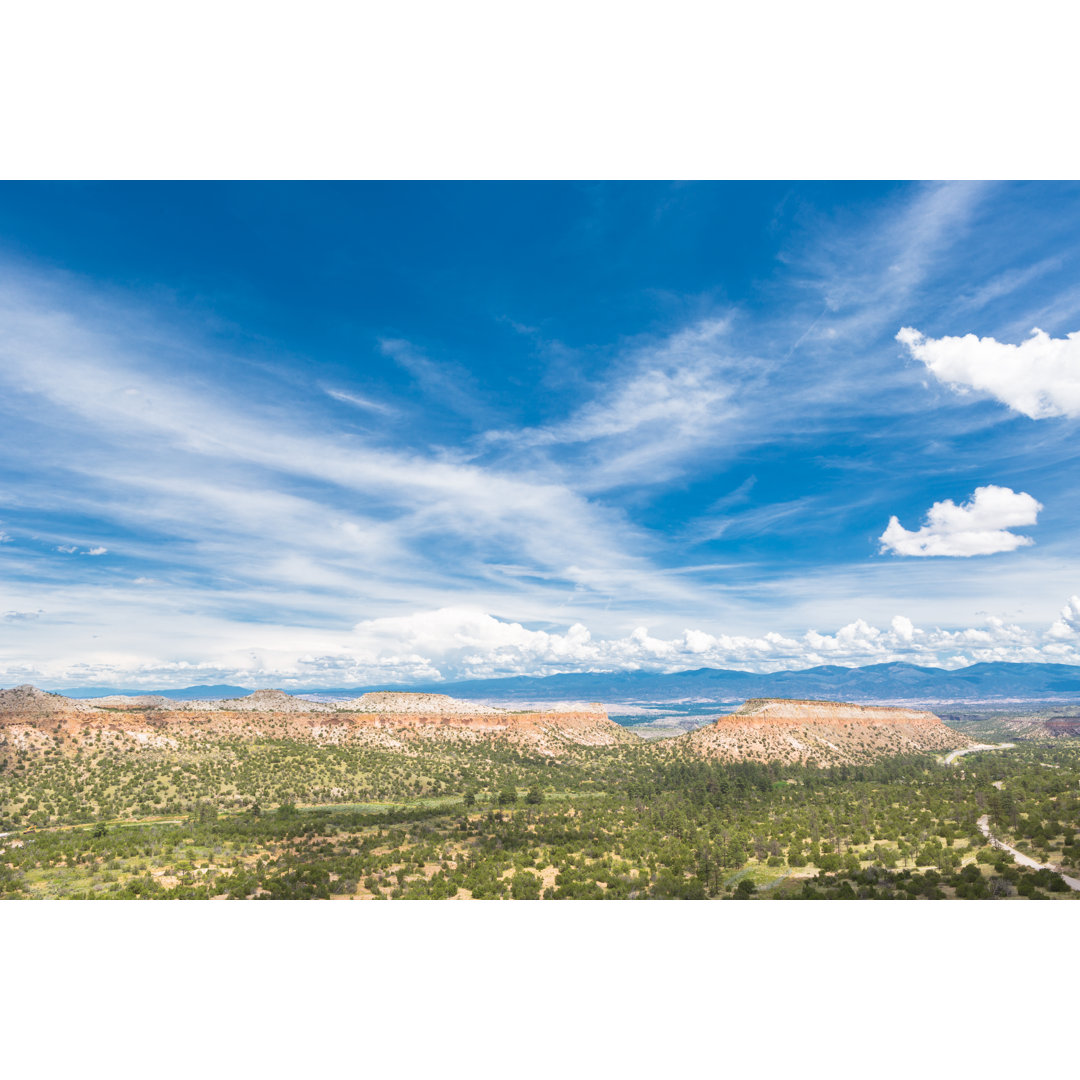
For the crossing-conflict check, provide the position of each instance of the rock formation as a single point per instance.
(389, 719)
(820, 732)
(27, 703)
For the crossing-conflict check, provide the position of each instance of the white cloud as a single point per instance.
(658, 406)
(67, 549)
(468, 643)
(455, 643)
(978, 527)
(866, 278)
(5, 538)
(1008, 282)
(449, 384)
(1039, 378)
(96, 551)
(676, 384)
(359, 401)
(489, 517)
(248, 497)
(1068, 625)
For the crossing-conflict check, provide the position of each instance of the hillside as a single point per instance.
(821, 732)
(410, 795)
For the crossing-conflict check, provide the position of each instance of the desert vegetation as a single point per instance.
(280, 817)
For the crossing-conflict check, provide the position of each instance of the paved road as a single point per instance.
(950, 758)
(1019, 856)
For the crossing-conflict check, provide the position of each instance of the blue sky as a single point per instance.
(322, 435)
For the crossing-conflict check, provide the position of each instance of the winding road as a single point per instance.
(1019, 856)
(984, 821)
(950, 758)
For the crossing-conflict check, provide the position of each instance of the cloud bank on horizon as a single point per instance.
(666, 426)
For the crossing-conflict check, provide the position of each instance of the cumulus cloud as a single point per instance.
(1068, 626)
(465, 643)
(96, 551)
(978, 527)
(1039, 378)
(446, 644)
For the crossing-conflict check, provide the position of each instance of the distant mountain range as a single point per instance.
(188, 693)
(875, 682)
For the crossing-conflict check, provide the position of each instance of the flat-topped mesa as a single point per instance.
(390, 719)
(400, 703)
(382, 702)
(785, 710)
(260, 701)
(128, 701)
(821, 732)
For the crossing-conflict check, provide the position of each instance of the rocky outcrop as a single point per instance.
(821, 732)
(1062, 726)
(28, 703)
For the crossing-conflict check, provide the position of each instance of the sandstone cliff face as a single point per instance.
(821, 732)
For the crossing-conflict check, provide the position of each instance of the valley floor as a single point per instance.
(625, 822)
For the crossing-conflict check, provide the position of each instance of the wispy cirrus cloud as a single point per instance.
(221, 477)
(272, 522)
(866, 275)
(677, 384)
(446, 385)
(661, 407)
(361, 402)
(1007, 283)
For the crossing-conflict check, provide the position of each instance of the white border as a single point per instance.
(491, 89)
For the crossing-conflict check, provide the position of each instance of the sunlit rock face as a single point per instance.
(388, 719)
(821, 732)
